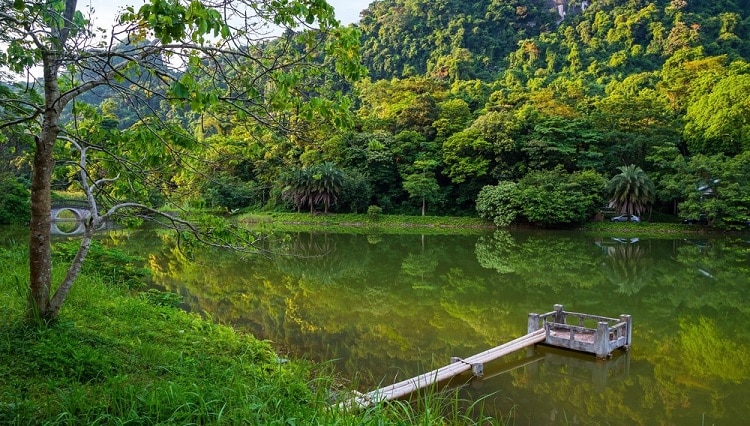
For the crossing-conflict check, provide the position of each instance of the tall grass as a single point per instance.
(112, 358)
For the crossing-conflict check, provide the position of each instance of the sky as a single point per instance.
(105, 12)
(347, 11)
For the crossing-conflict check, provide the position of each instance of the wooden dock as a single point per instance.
(550, 328)
(591, 333)
(457, 366)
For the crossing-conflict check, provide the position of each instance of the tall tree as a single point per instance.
(422, 185)
(200, 54)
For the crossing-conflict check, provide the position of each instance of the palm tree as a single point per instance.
(296, 186)
(631, 190)
(327, 184)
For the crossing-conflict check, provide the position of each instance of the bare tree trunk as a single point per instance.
(40, 259)
(424, 206)
(40, 262)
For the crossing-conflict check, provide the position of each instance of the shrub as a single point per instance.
(355, 192)
(547, 198)
(230, 192)
(15, 201)
(554, 197)
(499, 203)
(374, 212)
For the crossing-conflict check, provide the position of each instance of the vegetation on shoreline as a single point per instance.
(433, 225)
(364, 223)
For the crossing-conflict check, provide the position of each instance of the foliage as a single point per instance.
(483, 92)
(554, 198)
(374, 212)
(715, 188)
(216, 69)
(499, 203)
(356, 192)
(446, 40)
(230, 193)
(546, 198)
(717, 121)
(422, 186)
(631, 190)
(314, 185)
(14, 201)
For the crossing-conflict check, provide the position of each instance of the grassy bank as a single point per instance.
(115, 358)
(401, 224)
(363, 223)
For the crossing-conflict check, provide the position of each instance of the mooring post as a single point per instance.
(559, 314)
(477, 369)
(601, 340)
(628, 320)
(533, 324)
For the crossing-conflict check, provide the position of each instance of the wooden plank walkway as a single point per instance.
(474, 363)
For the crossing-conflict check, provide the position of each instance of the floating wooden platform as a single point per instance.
(550, 329)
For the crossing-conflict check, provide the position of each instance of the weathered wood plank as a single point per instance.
(406, 387)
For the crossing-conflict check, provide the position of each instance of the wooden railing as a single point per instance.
(590, 333)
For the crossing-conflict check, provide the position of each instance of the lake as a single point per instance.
(384, 308)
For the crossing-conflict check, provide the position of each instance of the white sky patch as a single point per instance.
(105, 12)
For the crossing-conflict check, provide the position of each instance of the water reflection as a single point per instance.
(75, 227)
(584, 375)
(628, 264)
(389, 307)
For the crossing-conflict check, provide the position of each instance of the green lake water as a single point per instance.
(385, 308)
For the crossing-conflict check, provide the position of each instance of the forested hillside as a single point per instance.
(522, 109)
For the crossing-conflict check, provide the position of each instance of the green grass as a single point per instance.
(648, 229)
(434, 225)
(362, 223)
(116, 358)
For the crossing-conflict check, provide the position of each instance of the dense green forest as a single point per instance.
(523, 110)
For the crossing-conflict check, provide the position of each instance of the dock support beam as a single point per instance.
(601, 341)
(533, 323)
(627, 319)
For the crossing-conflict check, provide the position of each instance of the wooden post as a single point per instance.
(477, 369)
(533, 324)
(559, 314)
(627, 319)
(601, 340)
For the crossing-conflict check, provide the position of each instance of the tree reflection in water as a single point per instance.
(394, 306)
(628, 266)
